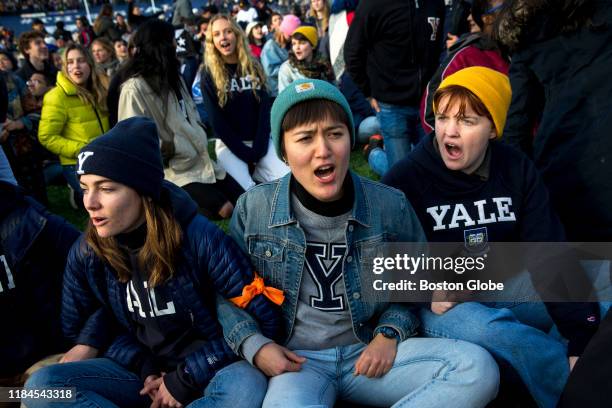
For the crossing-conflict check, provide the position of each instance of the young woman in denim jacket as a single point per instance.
(311, 234)
(144, 279)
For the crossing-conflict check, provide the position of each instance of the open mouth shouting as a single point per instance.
(453, 151)
(325, 173)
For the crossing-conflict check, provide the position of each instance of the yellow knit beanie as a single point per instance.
(310, 33)
(490, 86)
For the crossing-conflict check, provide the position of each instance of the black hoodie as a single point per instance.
(515, 209)
(393, 47)
(509, 204)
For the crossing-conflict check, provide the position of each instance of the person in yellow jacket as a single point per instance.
(74, 112)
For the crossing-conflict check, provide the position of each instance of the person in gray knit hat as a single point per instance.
(140, 288)
(312, 233)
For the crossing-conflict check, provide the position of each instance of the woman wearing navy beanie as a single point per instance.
(140, 288)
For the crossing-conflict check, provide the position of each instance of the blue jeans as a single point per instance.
(378, 161)
(103, 383)
(538, 358)
(400, 127)
(426, 373)
(368, 127)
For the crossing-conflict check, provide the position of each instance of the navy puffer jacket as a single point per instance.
(33, 248)
(94, 305)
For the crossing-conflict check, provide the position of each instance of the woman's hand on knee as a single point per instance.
(79, 352)
(377, 358)
(273, 359)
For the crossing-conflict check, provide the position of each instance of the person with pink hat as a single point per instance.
(276, 51)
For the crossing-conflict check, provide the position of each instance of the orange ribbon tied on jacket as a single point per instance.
(255, 288)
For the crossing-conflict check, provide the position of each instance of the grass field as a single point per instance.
(59, 203)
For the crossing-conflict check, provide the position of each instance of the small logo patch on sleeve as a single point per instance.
(305, 87)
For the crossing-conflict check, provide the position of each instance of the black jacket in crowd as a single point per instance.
(49, 71)
(34, 245)
(563, 82)
(393, 47)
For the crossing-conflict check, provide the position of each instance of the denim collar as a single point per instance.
(281, 213)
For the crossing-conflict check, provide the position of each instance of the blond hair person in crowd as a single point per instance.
(234, 83)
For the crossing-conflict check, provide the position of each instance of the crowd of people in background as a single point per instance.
(489, 117)
(20, 6)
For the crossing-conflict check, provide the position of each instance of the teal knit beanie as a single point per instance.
(300, 91)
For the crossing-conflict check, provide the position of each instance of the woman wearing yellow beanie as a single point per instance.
(304, 61)
(467, 187)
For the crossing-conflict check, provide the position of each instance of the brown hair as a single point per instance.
(159, 254)
(464, 96)
(105, 11)
(25, 38)
(311, 111)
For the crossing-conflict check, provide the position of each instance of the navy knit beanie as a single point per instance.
(129, 154)
(300, 91)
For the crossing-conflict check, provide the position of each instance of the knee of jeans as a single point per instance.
(491, 327)
(255, 387)
(368, 127)
(479, 368)
(253, 383)
(470, 321)
(495, 317)
(44, 378)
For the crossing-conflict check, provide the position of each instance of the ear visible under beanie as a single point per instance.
(129, 154)
(300, 91)
(490, 86)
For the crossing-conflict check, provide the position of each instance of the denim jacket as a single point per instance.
(265, 227)
(272, 57)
